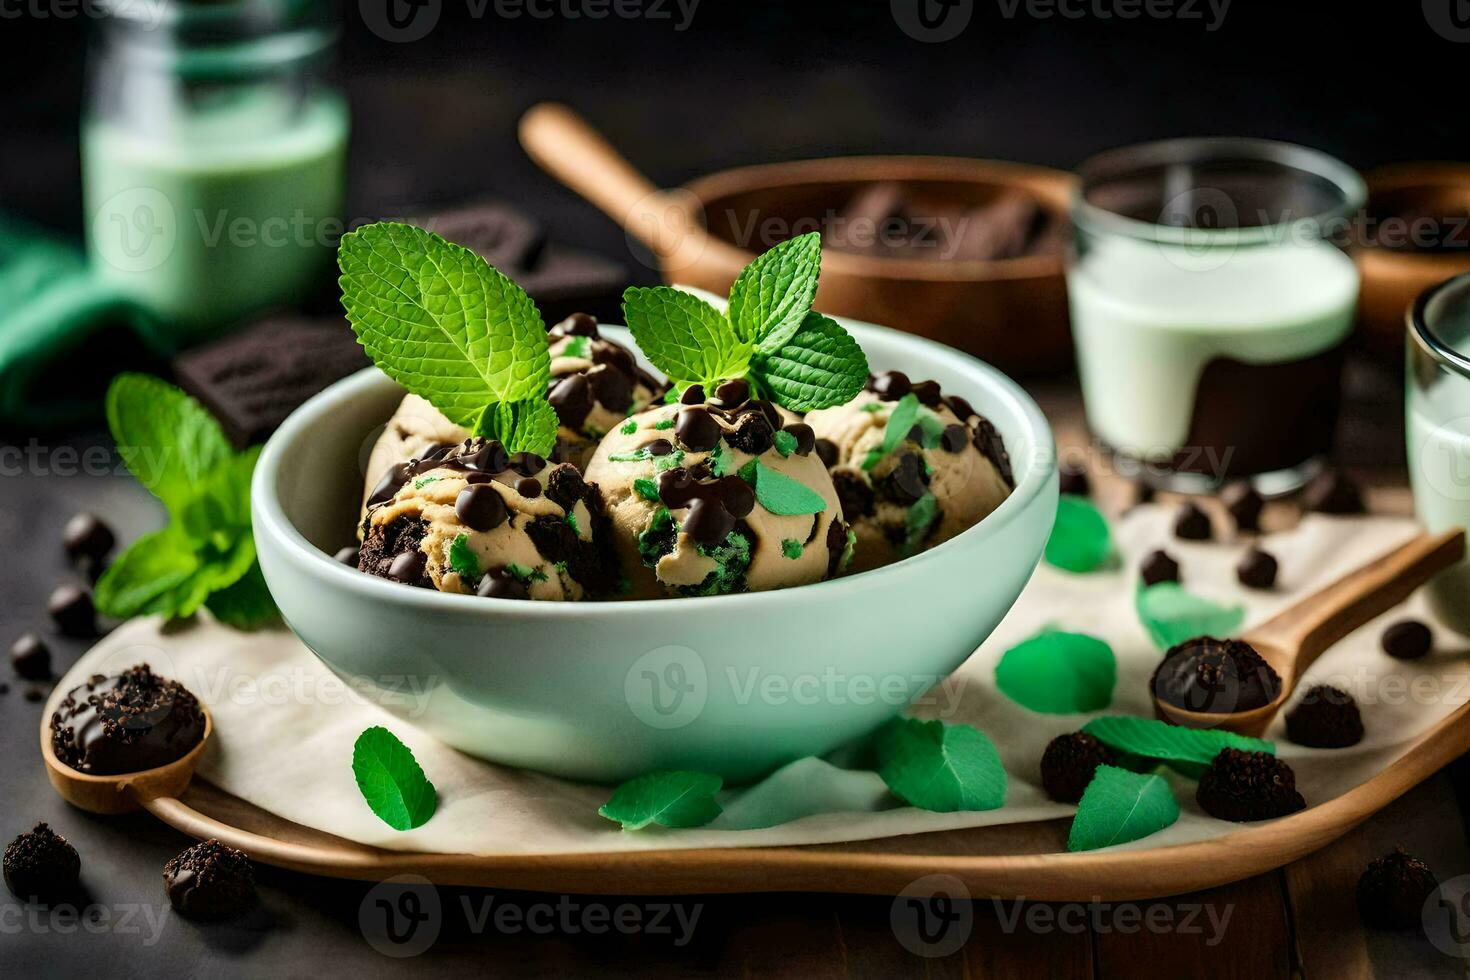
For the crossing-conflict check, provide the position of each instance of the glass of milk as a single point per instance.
(213, 145)
(1211, 293)
(1438, 410)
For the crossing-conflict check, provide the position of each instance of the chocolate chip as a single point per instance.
(1192, 524)
(389, 485)
(31, 658)
(571, 398)
(1257, 570)
(988, 440)
(806, 439)
(348, 555)
(72, 611)
(40, 865)
(827, 452)
(697, 429)
(1408, 639)
(1393, 891)
(752, 434)
(528, 487)
(35, 694)
(1244, 505)
(1143, 493)
(1158, 567)
(693, 395)
(500, 585)
(85, 537)
(1069, 763)
(954, 438)
(479, 507)
(708, 522)
(1074, 480)
(408, 567)
(527, 464)
(658, 447)
(475, 476)
(927, 392)
(577, 325)
(906, 482)
(836, 546)
(210, 882)
(489, 458)
(612, 387)
(1333, 493)
(854, 494)
(890, 386)
(962, 409)
(732, 393)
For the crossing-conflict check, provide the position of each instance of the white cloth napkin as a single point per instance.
(285, 726)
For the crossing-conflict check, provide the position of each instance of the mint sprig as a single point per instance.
(391, 780)
(206, 555)
(685, 337)
(772, 296)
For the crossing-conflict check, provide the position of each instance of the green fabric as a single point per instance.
(53, 311)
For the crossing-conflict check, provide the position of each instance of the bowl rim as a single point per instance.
(270, 517)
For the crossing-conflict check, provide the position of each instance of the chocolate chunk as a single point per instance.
(1192, 524)
(1333, 493)
(1158, 567)
(1245, 786)
(348, 555)
(927, 392)
(86, 538)
(1074, 480)
(385, 542)
(389, 485)
(954, 438)
(500, 584)
(697, 429)
(1257, 570)
(1407, 639)
(806, 439)
(890, 386)
(1215, 676)
(836, 546)
(577, 325)
(1069, 763)
(733, 393)
(905, 483)
(528, 487)
(1244, 505)
(571, 398)
(1325, 717)
(35, 693)
(752, 434)
(408, 567)
(487, 456)
(993, 448)
(962, 409)
(1394, 889)
(565, 486)
(71, 609)
(41, 866)
(501, 235)
(210, 882)
(1143, 493)
(128, 723)
(854, 494)
(612, 387)
(250, 381)
(480, 507)
(4, 688)
(31, 658)
(693, 395)
(827, 452)
(708, 522)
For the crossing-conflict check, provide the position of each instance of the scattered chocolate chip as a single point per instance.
(479, 507)
(1393, 890)
(1143, 493)
(1216, 676)
(752, 434)
(1245, 786)
(854, 494)
(1244, 505)
(72, 611)
(962, 409)
(528, 487)
(890, 386)
(806, 439)
(1074, 480)
(954, 438)
(40, 865)
(1257, 570)
(1325, 717)
(86, 538)
(1331, 492)
(928, 392)
(31, 658)
(693, 395)
(577, 325)
(1192, 523)
(500, 584)
(732, 393)
(827, 452)
(4, 688)
(697, 429)
(1407, 639)
(1069, 763)
(35, 693)
(127, 723)
(988, 440)
(1158, 567)
(348, 555)
(210, 882)
(408, 567)
(708, 522)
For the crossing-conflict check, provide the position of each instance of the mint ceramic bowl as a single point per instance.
(735, 685)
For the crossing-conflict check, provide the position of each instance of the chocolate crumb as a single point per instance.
(1325, 717)
(1393, 889)
(1245, 786)
(128, 723)
(1069, 763)
(210, 881)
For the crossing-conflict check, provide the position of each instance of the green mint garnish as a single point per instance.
(424, 481)
(578, 347)
(732, 556)
(179, 452)
(1119, 806)
(646, 489)
(463, 560)
(940, 767)
(1058, 673)
(719, 459)
(820, 367)
(779, 493)
(932, 426)
(635, 456)
(1080, 540)
(391, 780)
(917, 522)
(572, 523)
(524, 575)
(668, 461)
(685, 337)
(904, 417)
(1171, 615)
(784, 442)
(664, 424)
(772, 296)
(447, 326)
(871, 407)
(669, 799)
(1153, 739)
(658, 538)
(792, 548)
(629, 427)
(847, 550)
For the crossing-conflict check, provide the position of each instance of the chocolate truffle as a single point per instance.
(41, 865)
(1325, 718)
(1074, 480)
(1192, 524)
(128, 723)
(1217, 676)
(1158, 567)
(1257, 570)
(87, 538)
(210, 881)
(72, 611)
(1244, 505)
(31, 658)
(1068, 765)
(1408, 639)
(1331, 492)
(1245, 786)
(1393, 890)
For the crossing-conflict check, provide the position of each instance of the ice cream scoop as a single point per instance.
(595, 385)
(912, 466)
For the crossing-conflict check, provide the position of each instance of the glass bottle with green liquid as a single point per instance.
(213, 157)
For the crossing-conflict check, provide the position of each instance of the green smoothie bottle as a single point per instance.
(213, 156)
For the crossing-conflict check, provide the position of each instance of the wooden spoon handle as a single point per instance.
(1317, 622)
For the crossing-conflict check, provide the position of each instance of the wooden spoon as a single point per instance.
(1292, 640)
(125, 792)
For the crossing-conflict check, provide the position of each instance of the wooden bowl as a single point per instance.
(1393, 278)
(1009, 312)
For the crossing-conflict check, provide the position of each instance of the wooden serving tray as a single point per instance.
(1013, 861)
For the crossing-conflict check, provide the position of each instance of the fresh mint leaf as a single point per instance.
(1119, 806)
(440, 321)
(165, 438)
(719, 459)
(917, 522)
(784, 442)
(246, 605)
(669, 799)
(391, 780)
(1153, 739)
(772, 296)
(424, 481)
(646, 489)
(219, 511)
(526, 426)
(940, 767)
(1172, 615)
(1080, 540)
(819, 367)
(779, 493)
(464, 561)
(685, 338)
(901, 420)
(1058, 673)
(141, 581)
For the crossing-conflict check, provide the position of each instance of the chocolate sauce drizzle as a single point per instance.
(610, 382)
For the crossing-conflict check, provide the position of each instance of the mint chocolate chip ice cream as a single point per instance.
(595, 386)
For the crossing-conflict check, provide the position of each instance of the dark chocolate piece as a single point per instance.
(528, 487)
(1215, 676)
(1325, 717)
(731, 394)
(348, 555)
(1158, 567)
(480, 507)
(890, 386)
(827, 452)
(1394, 889)
(210, 882)
(501, 235)
(500, 584)
(31, 658)
(384, 543)
(1069, 763)
(1192, 523)
(1331, 492)
(408, 567)
(1407, 639)
(752, 434)
(854, 494)
(87, 538)
(1257, 570)
(1245, 786)
(697, 429)
(1074, 480)
(577, 325)
(1244, 505)
(693, 395)
(954, 438)
(928, 392)
(41, 865)
(806, 439)
(71, 609)
(128, 723)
